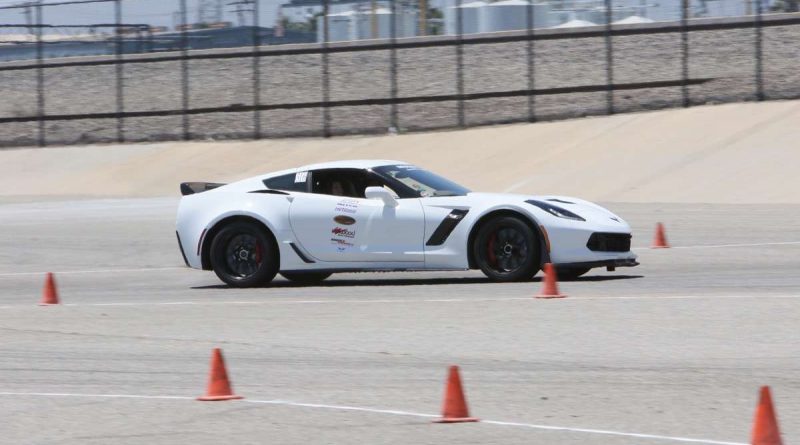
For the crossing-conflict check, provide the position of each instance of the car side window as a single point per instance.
(287, 183)
(347, 182)
(339, 182)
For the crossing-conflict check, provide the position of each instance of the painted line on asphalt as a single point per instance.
(97, 271)
(405, 301)
(717, 246)
(157, 269)
(273, 302)
(682, 297)
(389, 412)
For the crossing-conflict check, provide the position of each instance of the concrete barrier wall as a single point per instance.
(734, 153)
(725, 58)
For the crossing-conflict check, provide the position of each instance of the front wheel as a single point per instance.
(306, 277)
(507, 249)
(244, 255)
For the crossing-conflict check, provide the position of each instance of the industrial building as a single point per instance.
(377, 24)
(507, 15)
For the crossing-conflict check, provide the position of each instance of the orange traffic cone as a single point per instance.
(765, 424)
(49, 293)
(219, 387)
(660, 239)
(454, 408)
(550, 286)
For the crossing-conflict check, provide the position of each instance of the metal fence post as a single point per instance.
(531, 86)
(326, 84)
(609, 61)
(393, 124)
(759, 53)
(685, 53)
(460, 63)
(256, 73)
(118, 66)
(184, 71)
(40, 76)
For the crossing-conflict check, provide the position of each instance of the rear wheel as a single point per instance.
(243, 254)
(570, 273)
(507, 249)
(306, 277)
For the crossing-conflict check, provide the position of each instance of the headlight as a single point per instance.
(555, 210)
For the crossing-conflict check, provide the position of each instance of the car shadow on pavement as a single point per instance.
(333, 282)
(600, 278)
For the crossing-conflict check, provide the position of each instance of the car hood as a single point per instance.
(586, 209)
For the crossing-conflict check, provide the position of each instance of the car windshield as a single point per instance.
(422, 182)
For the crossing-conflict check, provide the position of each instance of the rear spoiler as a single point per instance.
(190, 188)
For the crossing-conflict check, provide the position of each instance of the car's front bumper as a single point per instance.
(608, 264)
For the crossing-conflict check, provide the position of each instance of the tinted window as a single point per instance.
(285, 182)
(421, 183)
(340, 182)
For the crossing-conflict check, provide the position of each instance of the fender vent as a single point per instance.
(446, 227)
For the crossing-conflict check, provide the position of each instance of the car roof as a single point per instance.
(356, 163)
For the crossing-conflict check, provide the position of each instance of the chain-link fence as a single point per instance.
(376, 68)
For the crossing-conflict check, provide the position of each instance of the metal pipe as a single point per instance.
(119, 74)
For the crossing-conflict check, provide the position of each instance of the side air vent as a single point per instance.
(190, 188)
(300, 253)
(269, 192)
(561, 201)
(446, 227)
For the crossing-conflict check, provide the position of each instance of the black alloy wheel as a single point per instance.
(507, 249)
(244, 255)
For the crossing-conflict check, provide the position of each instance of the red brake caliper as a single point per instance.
(490, 250)
(258, 253)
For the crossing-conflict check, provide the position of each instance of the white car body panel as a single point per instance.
(382, 237)
(367, 239)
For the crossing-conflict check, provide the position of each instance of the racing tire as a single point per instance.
(306, 277)
(507, 249)
(570, 273)
(243, 254)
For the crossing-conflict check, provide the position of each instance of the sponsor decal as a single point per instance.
(344, 220)
(300, 176)
(341, 242)
(347, 206)
(343, 232)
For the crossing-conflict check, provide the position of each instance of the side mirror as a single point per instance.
(382, 194)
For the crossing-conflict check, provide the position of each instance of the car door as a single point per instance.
(355, 229)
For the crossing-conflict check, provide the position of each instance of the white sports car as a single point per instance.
(346, 216)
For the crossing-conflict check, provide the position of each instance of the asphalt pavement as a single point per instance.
(668, 352)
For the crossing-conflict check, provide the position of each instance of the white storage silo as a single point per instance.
(576, 23)
(633, 20)
(341, 26)
(510, 15)
(406, 24)
(470, 18)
